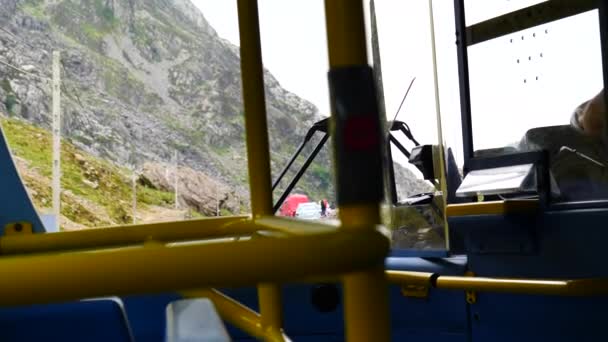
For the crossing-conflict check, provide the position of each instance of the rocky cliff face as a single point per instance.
(143, 81)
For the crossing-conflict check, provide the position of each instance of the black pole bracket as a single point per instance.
(357, 134)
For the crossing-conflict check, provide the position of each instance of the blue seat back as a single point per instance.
(88, 320)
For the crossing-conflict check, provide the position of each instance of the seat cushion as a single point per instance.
(88, 320)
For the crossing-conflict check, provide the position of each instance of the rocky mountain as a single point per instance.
(408, 184)
(145, 82)
(142, 79)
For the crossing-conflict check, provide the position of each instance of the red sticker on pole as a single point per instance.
(360, 133)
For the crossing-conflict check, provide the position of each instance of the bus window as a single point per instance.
(480, 10)
(533, 78)
(151, 111)
(528, 90)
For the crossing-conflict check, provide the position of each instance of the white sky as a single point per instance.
(504, 107)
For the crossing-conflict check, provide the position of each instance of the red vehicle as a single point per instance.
(291, 204)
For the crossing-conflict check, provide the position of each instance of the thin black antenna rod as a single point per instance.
(404, 97)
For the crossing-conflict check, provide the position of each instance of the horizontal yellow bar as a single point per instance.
(292, 226)
(413, 278)
(492, 208)
(124, 235)
(558, 287)
(41, 278)
(576, 287)
(161, 232)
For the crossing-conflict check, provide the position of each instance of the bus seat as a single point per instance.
(552, 138)
(147, 315)
(577, 177)
(190, 320)
(86, 320)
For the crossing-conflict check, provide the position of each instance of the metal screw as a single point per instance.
(471, 297)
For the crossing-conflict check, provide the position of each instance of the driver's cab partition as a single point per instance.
(533, 208)
(553, 165)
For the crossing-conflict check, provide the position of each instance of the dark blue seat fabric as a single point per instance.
(89, 320)
(441, 317)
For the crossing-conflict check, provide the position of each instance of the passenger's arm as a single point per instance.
(591, 118)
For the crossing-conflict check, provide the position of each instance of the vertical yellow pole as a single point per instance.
(271, 305)
(256, 129)
(258, 155)
(440, 173)
(365, 293)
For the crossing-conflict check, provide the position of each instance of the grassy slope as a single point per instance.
(89, 179)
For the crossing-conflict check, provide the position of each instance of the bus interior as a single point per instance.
(503, 245)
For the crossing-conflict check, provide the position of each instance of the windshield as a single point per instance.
(520, 81)
(540, 89)
(148, 115)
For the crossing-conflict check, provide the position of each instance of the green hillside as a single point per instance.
(95, 192)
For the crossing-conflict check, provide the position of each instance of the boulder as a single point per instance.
(196, 190)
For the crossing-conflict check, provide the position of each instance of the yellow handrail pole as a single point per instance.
(365, 293)
(256, 130)
(555, 287)
(258, 154)
(230, 310)
(127, 235)
(199, 229)
(236, 313)
(550, 287)
(345, 33)
(271, 309)
(44, 278)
